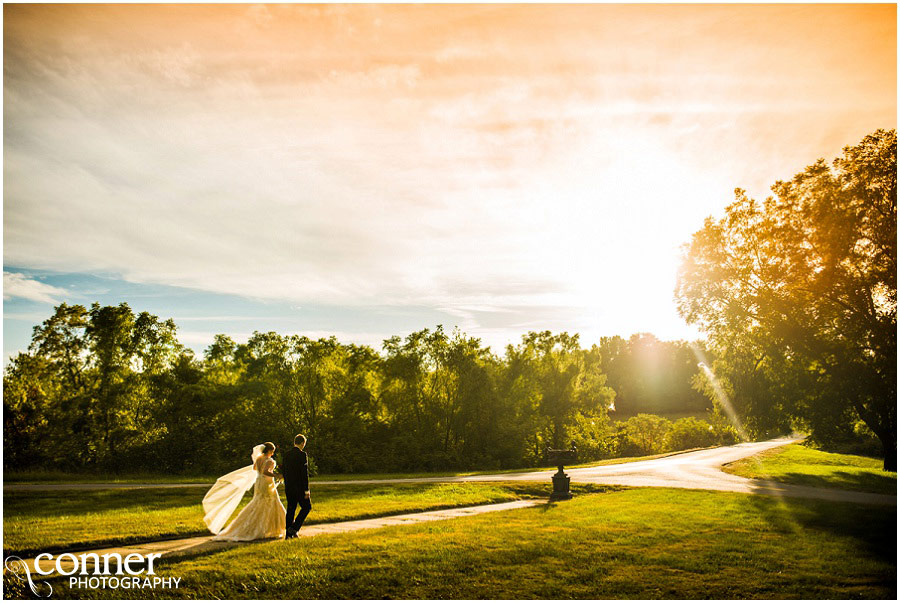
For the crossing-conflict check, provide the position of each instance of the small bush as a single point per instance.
(645, 434)
(690, 432)
(726, 434)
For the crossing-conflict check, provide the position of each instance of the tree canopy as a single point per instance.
(798, 295)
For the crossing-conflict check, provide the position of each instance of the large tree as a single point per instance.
(561, 378)
(87, 383)
(798, 295)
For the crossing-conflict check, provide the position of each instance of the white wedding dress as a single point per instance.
(264, 515)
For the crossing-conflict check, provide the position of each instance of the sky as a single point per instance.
(372, 170)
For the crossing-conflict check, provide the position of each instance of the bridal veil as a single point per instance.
(226, 494)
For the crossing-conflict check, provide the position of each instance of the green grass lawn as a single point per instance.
(36, 522)
(633, 544)
(798, 464)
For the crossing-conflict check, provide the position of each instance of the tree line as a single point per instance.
(105, 388)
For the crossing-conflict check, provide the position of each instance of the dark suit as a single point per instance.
(295, 470)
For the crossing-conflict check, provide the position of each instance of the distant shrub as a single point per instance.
(690, 432)
(726, 434)
(591, 435)
(645, 434)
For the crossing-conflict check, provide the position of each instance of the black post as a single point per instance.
(561, 486)
(561, 481)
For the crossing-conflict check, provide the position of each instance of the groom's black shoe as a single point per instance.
(290, 534)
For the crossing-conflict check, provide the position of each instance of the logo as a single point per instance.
(17, 567)
(91, 570)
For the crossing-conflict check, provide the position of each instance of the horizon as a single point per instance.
(199, 347)
(333, 170)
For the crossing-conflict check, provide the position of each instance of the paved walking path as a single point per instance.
(201, 544)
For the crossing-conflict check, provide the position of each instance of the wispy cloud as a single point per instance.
(18, 285)
(226, 318)
(27, 317)
(542, 159)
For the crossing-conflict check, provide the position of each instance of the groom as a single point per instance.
(295, 471)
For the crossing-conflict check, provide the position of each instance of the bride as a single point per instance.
(263, 517)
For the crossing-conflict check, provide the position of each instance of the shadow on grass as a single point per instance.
(845, 480)
(872, 528)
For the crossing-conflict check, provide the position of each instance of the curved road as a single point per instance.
(700, 469)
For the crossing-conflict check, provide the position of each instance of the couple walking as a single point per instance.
(264, 516)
